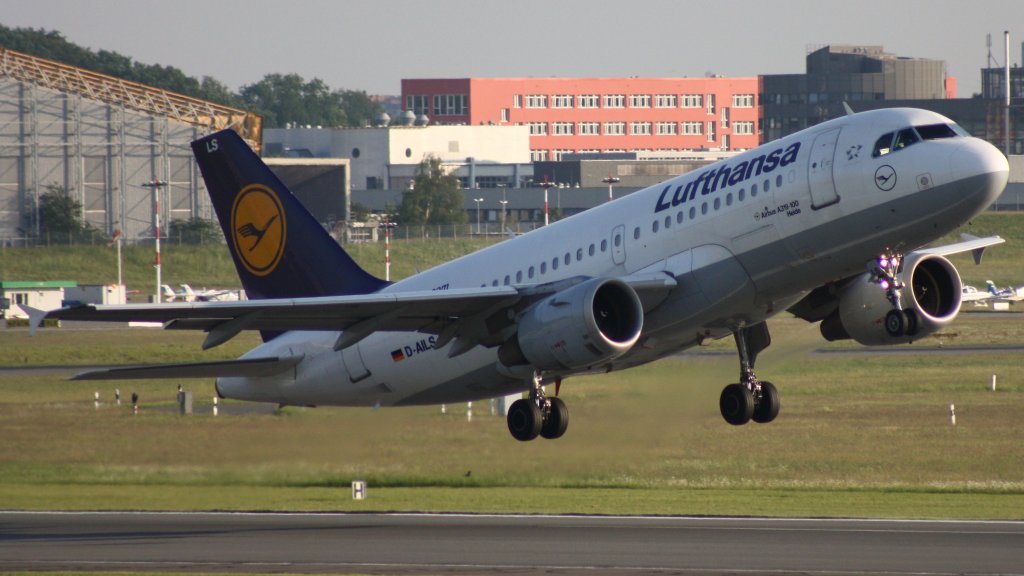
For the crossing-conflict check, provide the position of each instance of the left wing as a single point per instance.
(474, 315)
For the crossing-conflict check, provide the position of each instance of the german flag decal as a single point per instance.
(398, 355)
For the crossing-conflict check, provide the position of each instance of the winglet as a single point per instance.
(846, 106)
(35, 317)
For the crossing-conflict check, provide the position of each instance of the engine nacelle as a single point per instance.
(931, 295)
(579, 327)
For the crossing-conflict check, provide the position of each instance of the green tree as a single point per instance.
(435, 198)
(60, 218)
(195, 230)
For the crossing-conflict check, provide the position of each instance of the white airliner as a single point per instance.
(828, 224)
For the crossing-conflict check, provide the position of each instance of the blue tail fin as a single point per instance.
(279, 249)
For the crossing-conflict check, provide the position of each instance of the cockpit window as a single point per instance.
(905, 138)
(936, 131)
(883, 146)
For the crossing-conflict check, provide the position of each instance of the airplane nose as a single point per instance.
(981, 167)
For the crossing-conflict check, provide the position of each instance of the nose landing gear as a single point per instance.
(883, 271)
(750, 399)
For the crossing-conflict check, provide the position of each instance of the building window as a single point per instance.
(725, 117)
(562, 128)
(692, 100)
(416, 103)
(538, 155)
(504, 114)
(614, 128)
(640, 128)
(588, 100)
(538, 128)
(711, 131)
(536, 101)
(711, 103)
(743, 100)
(517, 101)
(667, 128)
(589, 128)
(665, 101)
(693, 128)
(559, 154)
(614, 101)
(743, 128)
(639, 100)
(561, 101)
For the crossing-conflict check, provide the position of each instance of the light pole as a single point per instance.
(545, 184)
(503, 204)
(610, 181)
(156, 185)
(478, 201)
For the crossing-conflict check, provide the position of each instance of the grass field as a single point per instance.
(859, 435)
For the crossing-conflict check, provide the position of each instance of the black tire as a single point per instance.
(896, 323)
(912, 324)
(736, 404)
(768, 408)
(556, 420)
(524, 420)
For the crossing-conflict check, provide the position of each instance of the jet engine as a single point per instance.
(931, 300)
(579, 327)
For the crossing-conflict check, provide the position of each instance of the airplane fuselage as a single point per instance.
(744, 239)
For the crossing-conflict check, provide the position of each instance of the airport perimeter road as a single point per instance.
(402, 543)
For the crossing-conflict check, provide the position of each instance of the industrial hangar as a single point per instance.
(100, 138)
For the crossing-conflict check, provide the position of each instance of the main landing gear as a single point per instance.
(538, 415)
(750, 399)
(884, 270)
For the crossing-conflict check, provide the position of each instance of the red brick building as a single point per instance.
(581, 115)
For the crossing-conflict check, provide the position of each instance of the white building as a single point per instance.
(386, 158)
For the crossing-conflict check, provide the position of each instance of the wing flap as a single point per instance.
(248, 367)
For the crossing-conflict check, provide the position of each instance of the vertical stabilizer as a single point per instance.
(279, 249)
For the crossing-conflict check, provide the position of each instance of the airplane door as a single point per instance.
(619, 244)
(819, 170)
(353, 358)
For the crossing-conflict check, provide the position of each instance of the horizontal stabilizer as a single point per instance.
(250, 367)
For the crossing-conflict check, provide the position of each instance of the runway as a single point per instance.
(483, 544)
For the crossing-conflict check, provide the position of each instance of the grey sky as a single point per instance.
(372, 45)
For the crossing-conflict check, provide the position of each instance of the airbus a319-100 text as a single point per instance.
(828, 224)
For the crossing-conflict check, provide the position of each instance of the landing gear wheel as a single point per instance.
(524, 420)
(896, 323)
(912, 325)
(736, 404)
(768, 406)
(556, 420)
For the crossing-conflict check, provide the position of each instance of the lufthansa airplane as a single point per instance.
(828, 224)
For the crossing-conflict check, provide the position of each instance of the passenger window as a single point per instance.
(519, 276)
(778, 181)
(679, 217)
(579, 254)
(529, 272)
(704, 208)
(905, 138)
(693, 213)
(494, 283)
(883, 146)
(618, 240)
(543, 267)
(668, 221)
(567, 259)
(636, 234)
(753, 190)
(590, 250)
(554, 263)
(508, 280)
(728, 199)
(767, 185)
(604, 245)
(654, 227)
(718, 203)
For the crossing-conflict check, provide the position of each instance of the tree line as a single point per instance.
(279, 98)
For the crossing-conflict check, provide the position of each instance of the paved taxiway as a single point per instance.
(409, 543)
